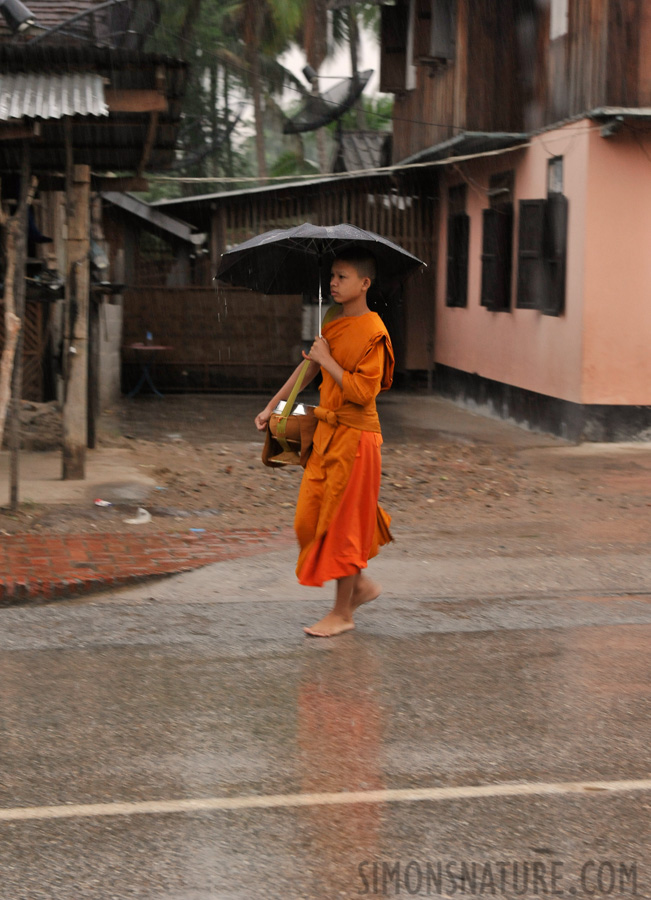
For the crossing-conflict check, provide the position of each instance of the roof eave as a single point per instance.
(154, 217)
(466, 142)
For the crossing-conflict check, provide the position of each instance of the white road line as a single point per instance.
(276, 801)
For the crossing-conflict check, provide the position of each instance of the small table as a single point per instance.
(142, 352)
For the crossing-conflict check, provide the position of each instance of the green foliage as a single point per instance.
(292, 163)
(377, 111)
(217, 38)
(365, 14)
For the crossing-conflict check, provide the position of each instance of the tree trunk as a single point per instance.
(20, 247)
(192, 11)
(353, 35)
(257, 109)
(214, 156)
(253, 38)
(229, 137)
(321, 147)
(13, 322)
(315, 45)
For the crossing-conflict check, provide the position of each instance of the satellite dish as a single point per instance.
(320, 109)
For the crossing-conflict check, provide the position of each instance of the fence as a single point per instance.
(37, 364)
(228, 339)
(219, 338)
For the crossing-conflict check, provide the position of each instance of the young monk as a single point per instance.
(338, 522)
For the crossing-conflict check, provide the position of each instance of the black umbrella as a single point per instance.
(297, 260)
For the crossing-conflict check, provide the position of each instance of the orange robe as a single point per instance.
(338, 523)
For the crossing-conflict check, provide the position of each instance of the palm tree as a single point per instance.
(233, 48)
(346, 31)
(268, 27)
(314, 34)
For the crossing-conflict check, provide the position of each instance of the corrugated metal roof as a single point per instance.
(155, 217)
(362, 150)
(51, 96)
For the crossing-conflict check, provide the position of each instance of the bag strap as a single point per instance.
(331, 314)
(281, 427)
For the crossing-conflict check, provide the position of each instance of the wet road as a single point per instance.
(170, 742)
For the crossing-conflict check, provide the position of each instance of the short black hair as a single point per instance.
(362, 260)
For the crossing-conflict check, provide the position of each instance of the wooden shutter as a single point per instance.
(444, 27)
(458, 238)
(531, 273)
(555, 254)
(422, 30)
(497, 240)
(393, 55)
(435, 30)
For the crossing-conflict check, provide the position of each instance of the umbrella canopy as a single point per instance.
(297, 260)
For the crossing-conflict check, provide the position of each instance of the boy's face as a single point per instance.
(345, 282)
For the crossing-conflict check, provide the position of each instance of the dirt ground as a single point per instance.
(488, 492)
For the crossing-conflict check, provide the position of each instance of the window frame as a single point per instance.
(458, 245)
(396, 50)
(542, 254)
(435, 31)
(559, 19)
(497, 244)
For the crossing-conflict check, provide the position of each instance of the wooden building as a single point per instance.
(226, 338)
(533, 121)
(71, 114)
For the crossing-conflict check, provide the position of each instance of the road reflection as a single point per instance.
(339, 738)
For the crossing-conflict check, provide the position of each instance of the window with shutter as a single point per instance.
(394, 25)
(555, 253)
(458, 237)
(422, 29)
(531, 274)
(558, 18)
(435, 31)
(497, 242)
(444, 27)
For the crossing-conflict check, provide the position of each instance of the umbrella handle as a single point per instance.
(320, 298)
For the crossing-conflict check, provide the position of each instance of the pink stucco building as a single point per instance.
(536, 120)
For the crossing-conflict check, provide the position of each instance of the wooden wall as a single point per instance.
(226, 339)
(395, 209)
(481, 89)
(37, 377)
(400, 210)
(507, 75)
(220, 338)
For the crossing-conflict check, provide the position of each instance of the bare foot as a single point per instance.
(365, 590)
(330, 625)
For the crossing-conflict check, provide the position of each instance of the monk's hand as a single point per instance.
(319, 351)
(262, 419)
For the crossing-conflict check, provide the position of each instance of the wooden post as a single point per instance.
(11, 320)
(26, 192)
(93, 370)
(75, 419)
(95, 305)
